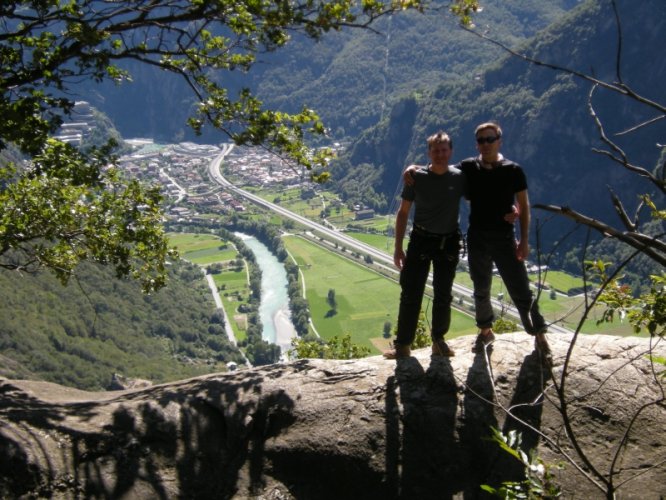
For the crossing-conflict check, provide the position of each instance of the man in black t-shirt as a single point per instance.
(495, 184)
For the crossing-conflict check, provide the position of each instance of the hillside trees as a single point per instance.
(81, 334)
(331, 300)
(67, 206)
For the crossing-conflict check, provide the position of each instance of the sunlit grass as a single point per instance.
(365, 300)
(204, 249)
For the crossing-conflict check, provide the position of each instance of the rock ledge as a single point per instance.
(318, 429)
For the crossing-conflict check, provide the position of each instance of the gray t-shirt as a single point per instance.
(436, 199)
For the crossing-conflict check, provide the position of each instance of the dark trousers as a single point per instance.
(422, 251)
(485, 247)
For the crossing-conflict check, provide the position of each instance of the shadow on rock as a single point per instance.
(526, 408)
(478, 417)
(421, 465)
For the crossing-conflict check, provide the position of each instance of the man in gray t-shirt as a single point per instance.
(435, 239)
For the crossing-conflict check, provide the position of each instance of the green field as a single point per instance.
(202, 248)
(205, 249)
(562, 282)
(234, 290)
(365, 299)
(339, 214)
(290, 198)
(564, 310)
(379, 241)
(210, 255)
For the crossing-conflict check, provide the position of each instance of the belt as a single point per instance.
(428, 234)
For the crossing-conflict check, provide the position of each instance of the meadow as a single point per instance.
(365, 299)
(232, 281)
(563, 309)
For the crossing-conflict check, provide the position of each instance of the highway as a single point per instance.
(340, 237)
(377, 255)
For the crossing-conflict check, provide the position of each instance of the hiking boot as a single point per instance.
(541, 346)
(399, 351)
(441, 348)
(483, 341)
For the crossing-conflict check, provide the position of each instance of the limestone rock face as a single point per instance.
(369, 428)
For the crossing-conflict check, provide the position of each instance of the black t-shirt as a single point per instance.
(492, 192)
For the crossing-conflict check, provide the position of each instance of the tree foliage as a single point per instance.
(331, 300)
(539, 480)
(66, 206)
(334, 348)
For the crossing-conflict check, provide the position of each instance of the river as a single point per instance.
(274, 310)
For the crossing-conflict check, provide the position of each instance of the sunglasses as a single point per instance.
(488, 140)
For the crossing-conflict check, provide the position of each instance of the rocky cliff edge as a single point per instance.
(367, 428)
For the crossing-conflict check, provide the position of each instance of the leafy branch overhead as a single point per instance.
(47, 47)
(66, 205)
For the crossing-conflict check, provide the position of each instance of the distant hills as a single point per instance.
(351, 78)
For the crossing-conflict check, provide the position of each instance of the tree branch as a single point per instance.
(650, 246)
(618, 53)
(621, 212)
(622, 159)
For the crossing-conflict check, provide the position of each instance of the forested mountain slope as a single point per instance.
(544, 113)
(351, 78)
(82, 334)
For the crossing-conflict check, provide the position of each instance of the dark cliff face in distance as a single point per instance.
(368, 428)
(544, 112)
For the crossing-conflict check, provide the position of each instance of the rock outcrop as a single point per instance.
(368, 428)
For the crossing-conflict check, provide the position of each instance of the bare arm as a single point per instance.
(524, 216)
(400, 227)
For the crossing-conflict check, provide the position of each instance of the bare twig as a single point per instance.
(621, 212)
(618, 52)
(619, 156)
(641, 125)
